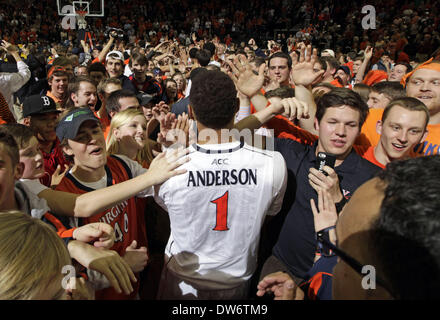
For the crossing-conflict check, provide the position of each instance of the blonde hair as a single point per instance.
(31, 256)
(143, 156)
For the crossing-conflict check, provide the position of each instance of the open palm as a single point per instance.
(247, 80)
(303, 72)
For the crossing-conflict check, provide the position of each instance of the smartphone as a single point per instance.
(324, 159)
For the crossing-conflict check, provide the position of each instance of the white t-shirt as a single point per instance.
(217, 209)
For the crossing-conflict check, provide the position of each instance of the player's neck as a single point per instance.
(214, 136)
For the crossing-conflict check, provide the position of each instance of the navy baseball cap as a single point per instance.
(37, 104)
(69, 125)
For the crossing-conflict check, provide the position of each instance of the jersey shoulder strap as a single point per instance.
(124, 165)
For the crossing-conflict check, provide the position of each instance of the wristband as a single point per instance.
(324, 235)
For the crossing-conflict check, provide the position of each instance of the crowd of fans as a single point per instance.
(85, 121)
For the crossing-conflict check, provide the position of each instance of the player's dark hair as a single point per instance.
(342, 96)
(213, 98)
(210, 47)
(203, 57)
(405, 236)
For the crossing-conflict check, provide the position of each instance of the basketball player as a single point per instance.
(218, 207)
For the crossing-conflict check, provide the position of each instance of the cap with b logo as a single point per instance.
(38, 105)
(69, 125)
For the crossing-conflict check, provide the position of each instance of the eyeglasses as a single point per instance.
(352, 262)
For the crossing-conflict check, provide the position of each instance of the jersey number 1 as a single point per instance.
(222, 212)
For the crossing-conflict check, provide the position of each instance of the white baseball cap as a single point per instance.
(328, 51)
(115, 55)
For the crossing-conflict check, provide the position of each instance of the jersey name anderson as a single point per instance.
(222, 177)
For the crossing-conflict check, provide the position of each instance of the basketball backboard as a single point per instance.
(94, 8)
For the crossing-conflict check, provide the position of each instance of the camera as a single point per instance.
(119, 32)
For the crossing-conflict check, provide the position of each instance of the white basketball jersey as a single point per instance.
(217, 209)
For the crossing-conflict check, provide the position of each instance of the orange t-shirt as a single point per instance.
(368, 154)
(370, 137)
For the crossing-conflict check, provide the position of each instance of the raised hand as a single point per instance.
(57, 176)
(368, 53)
(165, 164)
(325, 215)
(302, 72)
(163, 107)
(167, 124)
(247, 80)
(291, 108)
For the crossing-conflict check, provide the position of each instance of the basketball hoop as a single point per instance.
(81, 14)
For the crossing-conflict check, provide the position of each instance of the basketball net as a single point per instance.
(81, 19)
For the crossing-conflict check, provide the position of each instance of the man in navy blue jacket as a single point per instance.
(339, 118)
